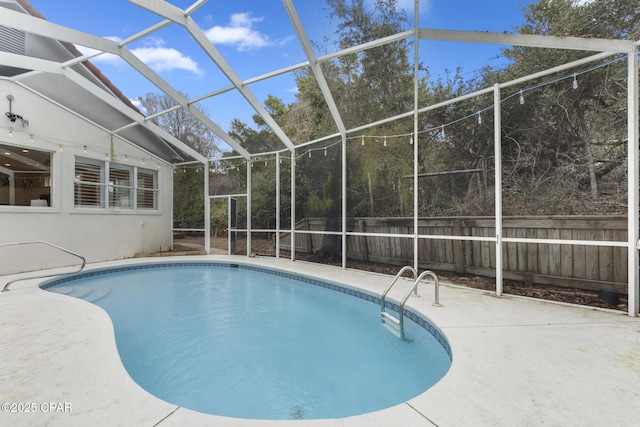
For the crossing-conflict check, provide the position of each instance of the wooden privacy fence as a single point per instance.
(580, 266)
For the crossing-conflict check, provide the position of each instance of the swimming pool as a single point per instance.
(250, 342)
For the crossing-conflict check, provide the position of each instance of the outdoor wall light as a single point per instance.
(13, 116)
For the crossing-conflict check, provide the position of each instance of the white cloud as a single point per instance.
(155, 55)
(166, 59)
(240, 33)
(582, 2)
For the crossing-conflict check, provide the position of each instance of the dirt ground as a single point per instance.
(264, 247)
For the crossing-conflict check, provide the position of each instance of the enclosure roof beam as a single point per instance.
(315, 65)
(41, 27)
(181, 18)
(81, 117)
(47, 29)
(133, 115)
(559, 68)
(195, 6)
(154, 78)
(319, 59)
(43, 65)
(368, 45)
(527, 40)
(252, 80)
(128, 40)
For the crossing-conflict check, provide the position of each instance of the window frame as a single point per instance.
(119, 180)
(120, 192)
(37, 176)
(140, 189)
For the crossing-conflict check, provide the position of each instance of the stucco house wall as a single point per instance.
(99, 234)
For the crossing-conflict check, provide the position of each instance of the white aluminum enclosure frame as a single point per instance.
(172, 15)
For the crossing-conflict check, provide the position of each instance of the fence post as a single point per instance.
(458, 247)
(309, 236)
(362, 225)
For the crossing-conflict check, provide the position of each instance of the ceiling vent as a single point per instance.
(13, 41)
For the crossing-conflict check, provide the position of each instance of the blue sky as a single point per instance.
(256, 37)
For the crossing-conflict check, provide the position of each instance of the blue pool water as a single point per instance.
(251, 343)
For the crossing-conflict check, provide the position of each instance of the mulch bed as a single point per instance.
(545, 292)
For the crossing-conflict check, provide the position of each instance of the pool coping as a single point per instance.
(515, 360)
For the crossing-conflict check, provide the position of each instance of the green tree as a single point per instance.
(374, 83)
(565, 148)
(454, 138)
(367, 86)
(188, 195)
(257, 139)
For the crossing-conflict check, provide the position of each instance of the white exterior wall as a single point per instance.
(96, 234)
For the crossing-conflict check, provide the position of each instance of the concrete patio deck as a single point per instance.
(516, 362)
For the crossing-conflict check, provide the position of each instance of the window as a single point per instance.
(89, 184)
(147, 196)
(25, 176)
(120, 187)
(113, 186)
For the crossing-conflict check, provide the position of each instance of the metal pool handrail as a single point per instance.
(84, 262)
(436, 303)
(395, 279)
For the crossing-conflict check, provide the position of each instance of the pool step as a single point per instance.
(96, 294)
(79, 292)
(389, 317)
(84, 293)
(392, 323)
